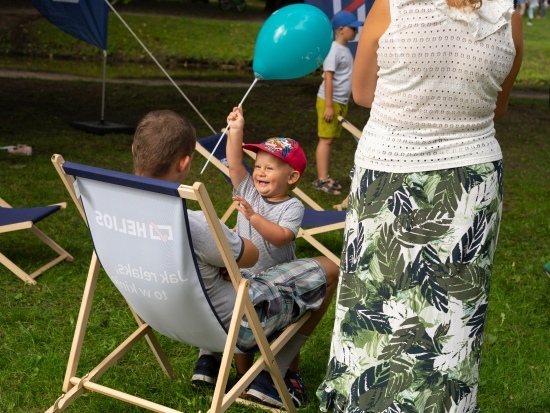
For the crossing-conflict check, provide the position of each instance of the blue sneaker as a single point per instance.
(206, 370)
(296, 388)
(263, 390)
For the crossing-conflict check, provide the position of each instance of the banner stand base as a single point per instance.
(102, 127)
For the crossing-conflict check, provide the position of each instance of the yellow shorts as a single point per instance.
(332, 129)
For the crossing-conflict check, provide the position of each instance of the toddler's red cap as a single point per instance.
(285, 149)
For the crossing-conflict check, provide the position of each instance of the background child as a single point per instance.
(333, 96)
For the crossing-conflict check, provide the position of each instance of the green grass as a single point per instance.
(188, 46)
(214, 39)
(173, 38)
(534, 69)
(37, 322)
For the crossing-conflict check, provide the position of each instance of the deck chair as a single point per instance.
(356, 133)
(347, 125)
(15, 219)
(154, 234)
(316, 220)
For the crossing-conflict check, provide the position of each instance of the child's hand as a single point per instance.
(329, 114)
(236, 119)
(225, 274)
(244, 207)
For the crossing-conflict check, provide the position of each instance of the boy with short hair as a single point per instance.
(333, 96)
(163, 147)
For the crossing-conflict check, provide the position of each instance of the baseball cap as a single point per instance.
(288, 150)
(345, 18)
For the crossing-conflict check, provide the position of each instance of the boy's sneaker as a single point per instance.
(296, 388)
(262, 389)
(206, 370)
(233, 382)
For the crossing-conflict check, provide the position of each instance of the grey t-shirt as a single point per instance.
(340, 61)
(288, 214)
(221, 292)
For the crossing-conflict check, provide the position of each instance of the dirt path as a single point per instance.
(65, 77)
(26, 74)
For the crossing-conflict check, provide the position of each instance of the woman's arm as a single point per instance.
(365, 67)
(504, 94)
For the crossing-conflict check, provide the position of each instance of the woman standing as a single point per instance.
(425, 206)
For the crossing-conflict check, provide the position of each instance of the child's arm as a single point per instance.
(329, 109)
(234, 149)
(270, 231)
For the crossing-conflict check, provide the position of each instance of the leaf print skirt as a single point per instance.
(414, 284)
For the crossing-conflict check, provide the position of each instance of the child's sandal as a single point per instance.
(335, 184)
(326, 185)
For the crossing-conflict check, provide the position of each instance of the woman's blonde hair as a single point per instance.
(465, 4)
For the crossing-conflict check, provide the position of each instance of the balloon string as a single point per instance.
(160, 66)
(227, 127)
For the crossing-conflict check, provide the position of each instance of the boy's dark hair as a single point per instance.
(161, 137)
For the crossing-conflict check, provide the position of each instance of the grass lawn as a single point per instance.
(182, 36)
(37, 322)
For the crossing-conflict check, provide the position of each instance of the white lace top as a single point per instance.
(440, 72)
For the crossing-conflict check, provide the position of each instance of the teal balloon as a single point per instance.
(292, 43)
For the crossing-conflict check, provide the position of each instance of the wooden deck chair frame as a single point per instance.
(28, 224)
(347, 125)
(313, 210)
(74, 386)
(356, 133)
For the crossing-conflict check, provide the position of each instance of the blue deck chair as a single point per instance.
(160, 281)
(316, 220)
(16, 219)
